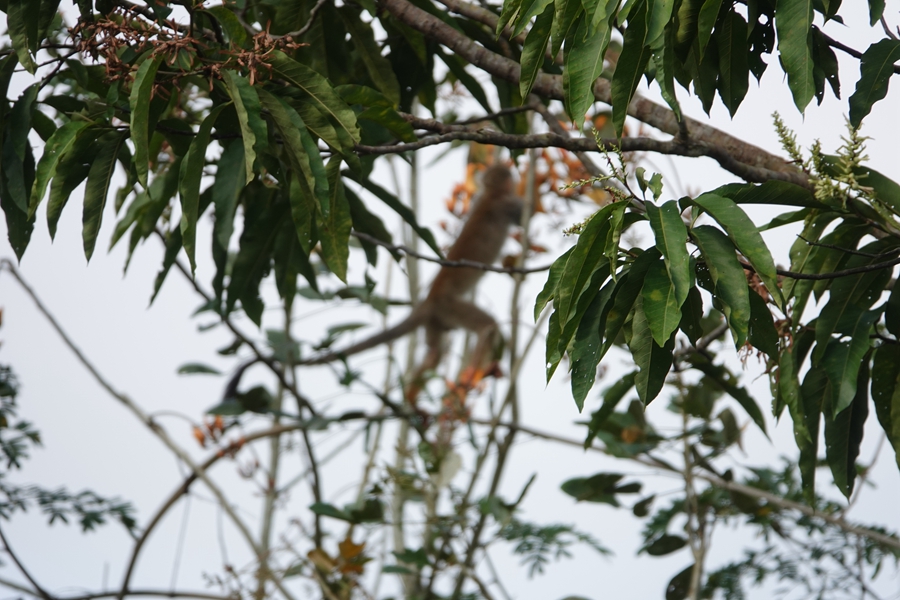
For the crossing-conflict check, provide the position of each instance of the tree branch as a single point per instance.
(41, 592)
(728, 150)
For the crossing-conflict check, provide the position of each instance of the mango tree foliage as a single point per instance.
(259, 111)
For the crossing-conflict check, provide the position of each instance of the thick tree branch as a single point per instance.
(730, 151)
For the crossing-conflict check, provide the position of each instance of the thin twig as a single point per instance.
(467, 264)
(41, 591)
(309, 23)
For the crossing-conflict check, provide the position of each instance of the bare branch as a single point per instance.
(41, 592)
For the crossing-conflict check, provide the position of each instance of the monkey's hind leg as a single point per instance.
(484, 360)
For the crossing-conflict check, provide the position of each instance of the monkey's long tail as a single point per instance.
(414, 320)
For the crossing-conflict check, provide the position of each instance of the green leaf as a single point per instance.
(197, 369)
(139, 103)
(18, 226)
(302, 151)
(729, 278)
(671, 239)
(22, 26)
(631, 65)
(510, 10)
(378, 67)
(231, 25)
(886, 393)
(660, 303)
(534, 49)
(875, 70)
(601, 487)
(189, 184)
(771, 192)
(529, 10)
(844, 433)
(762, 334)
(814, 393)
(652, 360)
(583, 57)
(841, 360)
(724, 379)
(334, 230)
(627, 292)
(59, 143)
(318, 90)
(549, 290)
(692, 315)
(73, 168)
(398, 207)
(660, 13)
(378, 109)
(611, 398)
(746, 238)
(876, 10)
(97, 188)
(665, 544)
(328, 510)
(709, 12)
(734, 71)
(566, 12)
(585, 353)
(254, 258)
(253, 128)
(793, 21)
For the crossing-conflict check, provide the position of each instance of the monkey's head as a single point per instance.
(497, 179)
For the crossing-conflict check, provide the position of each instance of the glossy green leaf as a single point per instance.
(253, 128)
(231, 25)
(652, 360)
(734, 71)
(583, 58)
(627, 292)
(533, 51)
(841, 360)
(528, 11)
(334, 231)
(566, 13)
(632, 63)
(886, 393)
(189, 185)
(660, 304)
(57, 146)
(814, 393)
(875, 71)
(97, 188)
(671, 238)
(844, 433)
(72, 169)
(665, 544)
(302, 151)
(22, 26)
(254, 258)
(746, 238)
(318, 90)
(585, 353)
(548, 292)
(510, 9)
(378, 109)
(729, 278)
(139, 102)
(793, 21)
(772, 192)
(876, 10)
(660, 12)
(706, 20)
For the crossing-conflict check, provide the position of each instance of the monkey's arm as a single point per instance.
(416, 318)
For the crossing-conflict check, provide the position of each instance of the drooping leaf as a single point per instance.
(585, 352)
(334, 230)
(549, 290)
(875, 70)
(583, 56)
(653, 361)
(671, 239)
(57, 146)
(844, 433)
(534, 48)
(734, 71)
(886, 393)
(632, 63)
(97, 188)
(729, 278)
(660, 303)
(793, 22)
(378, 67)
(139, 102)
(253, 128)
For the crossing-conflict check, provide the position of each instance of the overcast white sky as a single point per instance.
(92, 442)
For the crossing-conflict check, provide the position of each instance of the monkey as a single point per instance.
(444, 308)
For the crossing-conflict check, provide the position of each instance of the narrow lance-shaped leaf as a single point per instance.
(734, 70)
(660, 303)
(746, 238)
(586, 347)
(632, 63)
(58, 144)
(706, 20)
(583, 57)
(533, 50)
(21, 19)
(139, 102)
(729, 278)
(841, 360)
(671, 239)
(16, 148)
(378, 67)
(886, 393)
(97, 188)
(875, 71)
(653, 361)
(334, 231)
(844, 433)
(189, 184)
(253, 128)
(793, 20)
(549, 290)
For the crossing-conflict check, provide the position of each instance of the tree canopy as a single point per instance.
(271, 115)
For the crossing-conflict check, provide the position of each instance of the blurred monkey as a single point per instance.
(444, 308)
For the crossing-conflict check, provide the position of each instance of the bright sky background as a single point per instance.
(92, 442)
